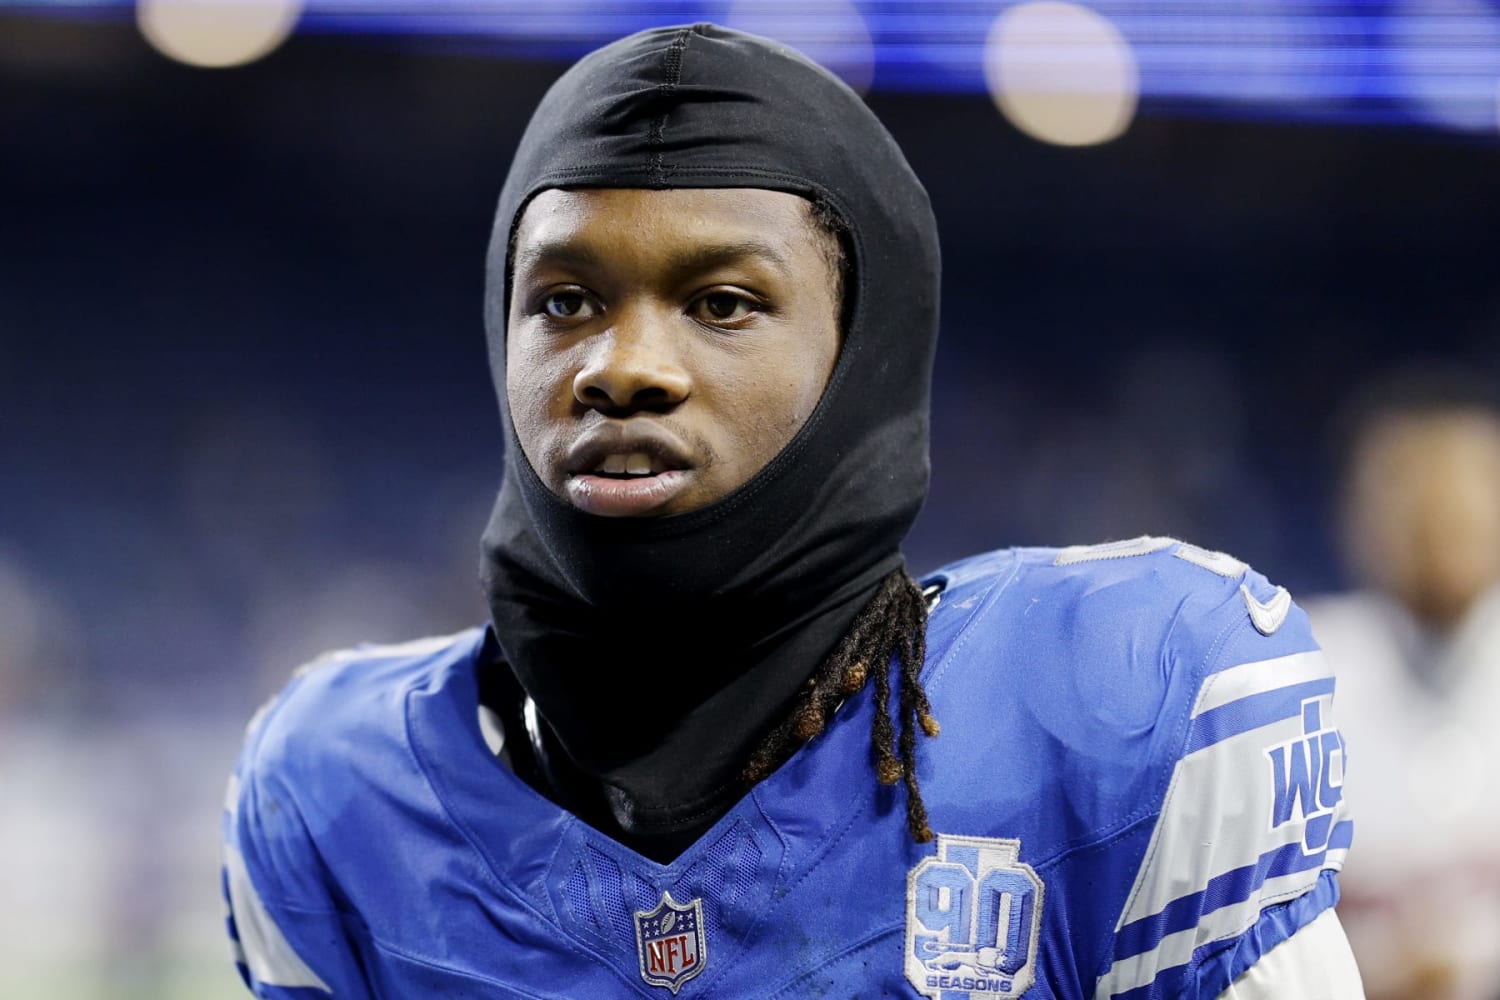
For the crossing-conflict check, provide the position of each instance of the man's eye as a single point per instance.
(725, 307)
(567, 305)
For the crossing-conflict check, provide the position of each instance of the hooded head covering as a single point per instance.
(693, 630)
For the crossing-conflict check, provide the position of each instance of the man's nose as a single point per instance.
(634, 365)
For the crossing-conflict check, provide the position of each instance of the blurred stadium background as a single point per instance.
(245, 414)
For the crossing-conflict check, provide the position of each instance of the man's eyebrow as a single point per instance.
(565, 252)
(690, 261)
(707, 257)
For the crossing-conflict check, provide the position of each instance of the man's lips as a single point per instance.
(632, 497)
(624, 469)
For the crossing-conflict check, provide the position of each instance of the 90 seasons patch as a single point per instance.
(973, 918)
(670, 942)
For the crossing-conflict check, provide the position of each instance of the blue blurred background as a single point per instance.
(245, 414)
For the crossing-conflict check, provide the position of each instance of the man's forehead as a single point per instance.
(561, 212)
(703, 226)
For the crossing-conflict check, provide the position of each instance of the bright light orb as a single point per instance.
(216, 33)
(1446, 57)
(1061, 73)
(832, 33)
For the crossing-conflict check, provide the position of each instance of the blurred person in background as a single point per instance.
(1417, 652)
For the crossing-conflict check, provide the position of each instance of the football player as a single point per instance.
(692, 752)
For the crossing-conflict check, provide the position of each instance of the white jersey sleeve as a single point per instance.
(1315, 963)
(268, 962)
(1253, 827)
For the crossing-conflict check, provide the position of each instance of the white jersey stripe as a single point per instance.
(232, 797)
(1252, 816)
(262, 947)
(1212, 782)
(1248, 679)
(1225, 922)
(1232, 887)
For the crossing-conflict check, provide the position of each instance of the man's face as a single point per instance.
(664, 346)
(1424, 516)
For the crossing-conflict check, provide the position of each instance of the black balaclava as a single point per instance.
(659, 651)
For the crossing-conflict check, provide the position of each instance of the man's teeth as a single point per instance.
(635, 464)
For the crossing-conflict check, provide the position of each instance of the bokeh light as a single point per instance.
(832, 33)
(217, 33)
(1061, 73)
(1446, 58)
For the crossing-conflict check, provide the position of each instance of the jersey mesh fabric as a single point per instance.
(1069, 685)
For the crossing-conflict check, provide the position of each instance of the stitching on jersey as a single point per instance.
(487, 866)
(838, 956)
(775, 898)
(350, 922)
(405, 956)
(1140, 818)
(810, 865)
(250, 788)
(1280, 900)
(1094, 841)
(854, 795)
(1286, 895)
(562, 838)
(786, 844)
(1215, 651)
(1229, 631)
(359, 930)
(826, 846)
(983, 601)
(492, 872)
(307, 911)
(1184, 727)
(1196, 966)
(736, 945)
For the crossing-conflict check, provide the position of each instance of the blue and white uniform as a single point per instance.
(1137, 794)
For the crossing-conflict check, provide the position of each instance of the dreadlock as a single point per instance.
(893, 625)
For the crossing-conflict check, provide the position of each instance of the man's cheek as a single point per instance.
(532, 414)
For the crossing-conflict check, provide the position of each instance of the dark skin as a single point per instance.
(663, 346)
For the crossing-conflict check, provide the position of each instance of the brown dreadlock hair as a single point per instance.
(892, 626)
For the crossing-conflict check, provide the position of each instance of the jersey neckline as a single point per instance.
(523, 839)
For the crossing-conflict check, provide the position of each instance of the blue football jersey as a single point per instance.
(1136, 793)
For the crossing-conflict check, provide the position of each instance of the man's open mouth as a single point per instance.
(627, 471)
(631, 466)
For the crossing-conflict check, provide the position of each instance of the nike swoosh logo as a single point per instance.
(1267, 617)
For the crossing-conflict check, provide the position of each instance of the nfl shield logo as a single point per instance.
(670, 942)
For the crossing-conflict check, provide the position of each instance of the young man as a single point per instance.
(671, 764)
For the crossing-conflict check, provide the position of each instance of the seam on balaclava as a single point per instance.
(664, 90)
